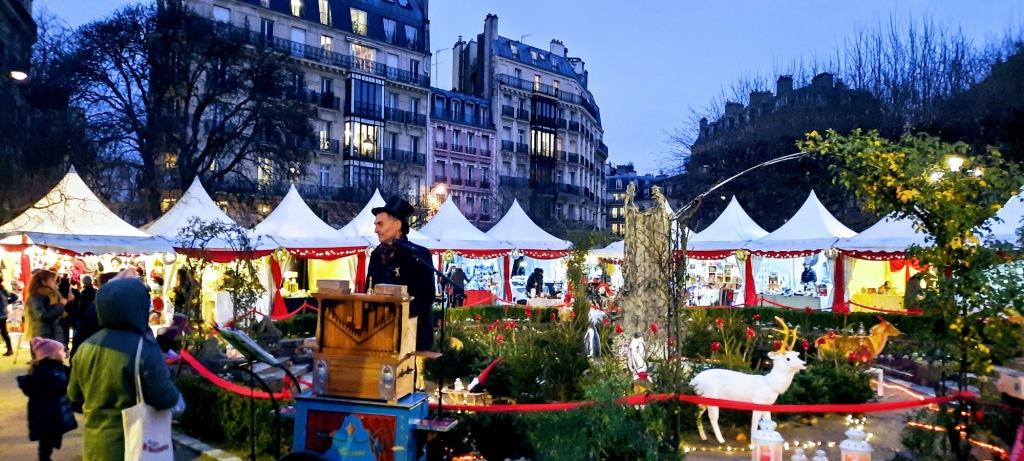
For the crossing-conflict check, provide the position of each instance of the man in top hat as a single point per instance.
(393, 263)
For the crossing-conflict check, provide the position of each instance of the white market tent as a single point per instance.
(294, 226)
(730, 231)
(812, 228)
(72, 218)
(614, 250)
(362, 226)
(456, 233)
(889, 236)
(520, 232)
(195, 203)
(1009, 220)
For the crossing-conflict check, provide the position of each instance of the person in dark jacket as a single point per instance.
(5, 296)
(535, 283)
(86, 324)
(103, 369)
(394, 264)
(46, 384)
(44, 307)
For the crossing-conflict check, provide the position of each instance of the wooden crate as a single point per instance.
(358, 335)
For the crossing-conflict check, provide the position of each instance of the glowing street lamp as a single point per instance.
(954, 162)
(19, 75)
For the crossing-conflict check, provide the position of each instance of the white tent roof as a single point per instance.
(455, 232)
(293, 225)
(518, 230)
(1010, 217)
(888, 235)
(362, 225)
(614, 250)
(730, 231)
(194, 203)
(811, 228)
(71, 217)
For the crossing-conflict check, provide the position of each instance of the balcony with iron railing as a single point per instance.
(392, 114)
(508, 146)
(523, 114)
(522, 148)
(484, 152)
(549, 90)
(456, 181)
(574, 126)
(463, 118)
(404, 156)
(440, 145)
(568, 189)
(508, 111)
(440, 179)
(563, 123)
(457, 148)
(358, 155)
(365, 110)
(514, 181)
(321, 55)
(485, 184)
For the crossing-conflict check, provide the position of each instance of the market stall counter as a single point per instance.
(794, 301)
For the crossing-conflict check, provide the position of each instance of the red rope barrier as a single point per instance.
(887, 311)
(228, 385)
(726, 404)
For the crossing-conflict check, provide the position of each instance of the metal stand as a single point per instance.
(252, 410)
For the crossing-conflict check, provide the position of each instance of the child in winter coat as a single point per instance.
(46, 385)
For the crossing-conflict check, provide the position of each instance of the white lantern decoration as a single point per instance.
(819, 456)
(855, 447)
(767, 442)
(798, 455)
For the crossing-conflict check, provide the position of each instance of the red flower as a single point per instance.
(490, 327)
(715, 346)
(831, 334)
(719, 323)
(750, 333)
(572, 314)
(510, 325)
(619, 329)
(500, 339)
(808, 310)
(529, 311)
(477, 317)
(653, 328)
(820, 342)
(757, 317)
(554, 318)
(605, 320)
(805, 344)
(776, 345)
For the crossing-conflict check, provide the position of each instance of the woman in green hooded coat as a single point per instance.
(103, 369)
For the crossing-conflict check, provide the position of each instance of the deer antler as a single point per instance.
(792, 342)
(785, 335)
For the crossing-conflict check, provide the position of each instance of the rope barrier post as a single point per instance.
(252, 411)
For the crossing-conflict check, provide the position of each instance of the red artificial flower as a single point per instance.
(805, 344)
(490, 327)
(500, 339)
(808, 310)
(750, 333)
(554, 317)
(715, 346)
(757, 317)
(510, 325)
(529, 311)
(776, 345)
(605, 320)
(572, 314)
(820, 342)
(477, 317)
(653, 328)
(619, 329)
(831, 334)
(719, 323)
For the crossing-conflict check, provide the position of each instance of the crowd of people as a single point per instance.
(106, 327)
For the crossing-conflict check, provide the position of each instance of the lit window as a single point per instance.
(263, 209)
(389, 30)
(171, 161)
(223, 205)
(327, 43)
(221, 14)
(358, 21)
(297, 8)
(554, 83)
(166, 204)
(536, 82)
(325, 12)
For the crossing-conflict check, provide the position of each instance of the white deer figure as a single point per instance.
(717, 383)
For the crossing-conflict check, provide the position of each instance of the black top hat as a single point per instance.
(397, 207)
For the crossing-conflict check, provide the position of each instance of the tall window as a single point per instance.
(536, 82)
(325, 135)
(325, 175)
(267, 28)
(297, 8)
(358, 21)
(414, 66)
(411, 36)
(221, 14)
(367, 98)
(327, 43)
(392, 101)
(469, 139)
(298, 39)
(326, 87)
(364, 52)
(325, 13)
(554, 83)
(389, 30)
(363, 139)
(414, 144)
(414, 105)
(456, 137)
(439, 169)
(519, 74)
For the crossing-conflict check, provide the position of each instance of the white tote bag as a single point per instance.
(147, 431)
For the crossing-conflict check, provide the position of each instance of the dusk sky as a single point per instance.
(651, 62)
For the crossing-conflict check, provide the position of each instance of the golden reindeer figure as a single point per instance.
(864, 347)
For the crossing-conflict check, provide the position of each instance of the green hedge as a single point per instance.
(214, 415)
(491, 313)
(300, 326)
(909, 325)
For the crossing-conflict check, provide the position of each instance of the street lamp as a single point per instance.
(19, 75)
(954, 162)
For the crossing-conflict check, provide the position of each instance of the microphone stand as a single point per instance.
(445, 281)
